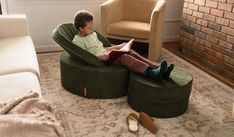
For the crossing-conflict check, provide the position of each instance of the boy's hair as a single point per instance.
(81, 18)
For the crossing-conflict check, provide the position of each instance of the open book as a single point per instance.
(116, 53)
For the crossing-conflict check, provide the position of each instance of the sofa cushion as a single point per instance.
(140, 30)
(17, 54)
(17, 84)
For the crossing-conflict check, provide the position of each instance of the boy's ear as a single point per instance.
(81, 29)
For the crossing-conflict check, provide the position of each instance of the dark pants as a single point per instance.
(134, 62)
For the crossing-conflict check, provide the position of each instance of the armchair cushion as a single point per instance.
(134, 29)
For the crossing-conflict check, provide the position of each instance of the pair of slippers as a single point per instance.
(144, 119)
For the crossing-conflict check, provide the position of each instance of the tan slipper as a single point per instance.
(148, 122)
(132, 123)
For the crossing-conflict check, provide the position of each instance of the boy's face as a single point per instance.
(88, 29)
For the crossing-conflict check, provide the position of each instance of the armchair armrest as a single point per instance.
(158, 10)
(111, 11)
(13, 25)
(156, 29)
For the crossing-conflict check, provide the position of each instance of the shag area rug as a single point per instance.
(209, 113)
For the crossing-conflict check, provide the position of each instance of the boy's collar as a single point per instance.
(84, 34)
(81, 35)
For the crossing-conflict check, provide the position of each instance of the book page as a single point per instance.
(127, 46)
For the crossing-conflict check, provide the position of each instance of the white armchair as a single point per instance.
(139, 19)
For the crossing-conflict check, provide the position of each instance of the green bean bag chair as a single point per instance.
(164, 99)
(82, 73)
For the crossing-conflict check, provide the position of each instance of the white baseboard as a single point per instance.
(171, 38)
(47, 48)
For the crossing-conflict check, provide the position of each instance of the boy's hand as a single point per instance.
(104, 56)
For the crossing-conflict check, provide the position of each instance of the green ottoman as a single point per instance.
(164, 99)
(91, 81)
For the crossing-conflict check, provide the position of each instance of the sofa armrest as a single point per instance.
(111, 11)
(156, 29)
(13, 25)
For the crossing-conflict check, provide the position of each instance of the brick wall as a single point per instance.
(207, 34)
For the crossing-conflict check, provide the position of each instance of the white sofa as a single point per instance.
(19, 71)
